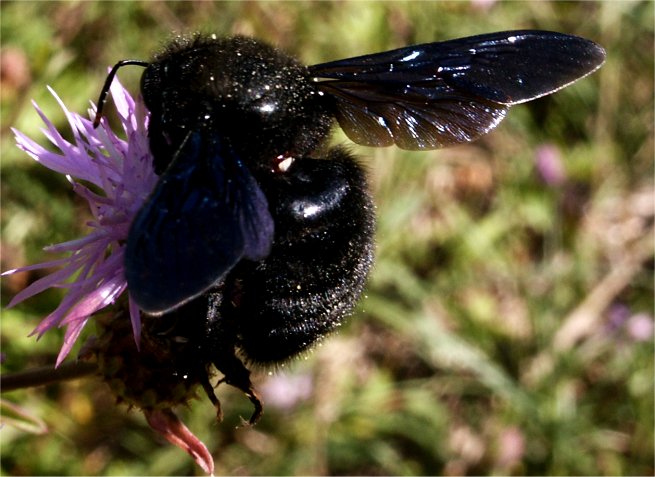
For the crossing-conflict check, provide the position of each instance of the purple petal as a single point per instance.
(54, 318)
(135, 317)
(125, 107)
(72, 333)
(122, 170)
(36, 266)
(71, 245)
(94, 301)
(71, 162)
(46, 158)
(52, 280)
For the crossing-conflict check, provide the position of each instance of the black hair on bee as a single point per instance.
(258, 238)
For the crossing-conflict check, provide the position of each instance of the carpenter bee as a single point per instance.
(258, 238)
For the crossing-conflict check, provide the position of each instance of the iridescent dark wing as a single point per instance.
(206, 213)
(438, 94)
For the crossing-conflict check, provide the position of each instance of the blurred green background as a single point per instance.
(507, 325)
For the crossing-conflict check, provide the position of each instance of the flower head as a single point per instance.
(115, 177)
(121, 174)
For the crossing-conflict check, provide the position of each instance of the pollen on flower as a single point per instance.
(121, 171)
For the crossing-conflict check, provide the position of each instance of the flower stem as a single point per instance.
(45, 375)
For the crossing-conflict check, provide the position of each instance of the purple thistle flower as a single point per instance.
(122, 171)
(549, 165)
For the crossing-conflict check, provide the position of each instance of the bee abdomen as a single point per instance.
(317, 269)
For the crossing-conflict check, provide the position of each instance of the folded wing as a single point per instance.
(206, 213)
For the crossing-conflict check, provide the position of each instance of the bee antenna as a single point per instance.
(105, 89)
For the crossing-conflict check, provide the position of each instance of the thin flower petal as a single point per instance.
(175, 432)
(72, 333)
(135, 318)
(71, 245)
(36, 266)
(105, 295)
(49, 281)
(122, 176)
(54, 318)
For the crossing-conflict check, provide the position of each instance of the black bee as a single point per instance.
(258, 238)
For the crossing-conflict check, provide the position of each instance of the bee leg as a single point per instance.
(253, 395)
(237, 375)
(209, 389)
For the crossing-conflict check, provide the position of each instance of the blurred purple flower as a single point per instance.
(637, 326)
(548, 162)
(122, 175)
(640, 327)
(511, 448)
(284, 391)
(617, 316)
(483, 5)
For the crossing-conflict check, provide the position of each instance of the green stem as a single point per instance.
(45, 375)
